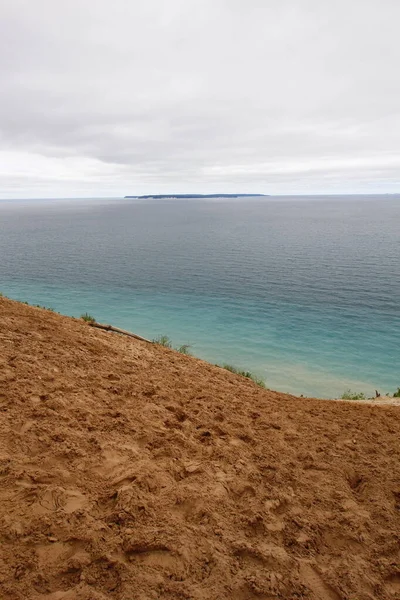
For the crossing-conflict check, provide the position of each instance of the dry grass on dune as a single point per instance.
(131, 472)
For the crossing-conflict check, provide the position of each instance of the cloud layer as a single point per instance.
(276, 96)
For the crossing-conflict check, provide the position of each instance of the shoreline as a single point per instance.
(382, 400)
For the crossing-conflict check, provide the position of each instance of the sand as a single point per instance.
(131, 472)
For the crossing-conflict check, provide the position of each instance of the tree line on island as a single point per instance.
(161, 196)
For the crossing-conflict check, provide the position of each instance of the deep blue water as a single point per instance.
(303, 291)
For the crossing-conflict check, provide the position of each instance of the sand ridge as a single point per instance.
(129, 471)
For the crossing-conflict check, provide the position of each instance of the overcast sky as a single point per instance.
(107, 98)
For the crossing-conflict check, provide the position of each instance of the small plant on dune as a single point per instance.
(163, 340)
(256, 379)
(184, 349)
(247, 374)
(235, 370)
(43, 307)
(88, 318)
(397, 394)
(349, 395)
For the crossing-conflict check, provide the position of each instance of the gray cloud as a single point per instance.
(288, 96)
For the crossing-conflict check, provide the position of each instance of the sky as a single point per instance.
(102, 98)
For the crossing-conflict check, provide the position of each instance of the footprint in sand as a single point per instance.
(311, 579)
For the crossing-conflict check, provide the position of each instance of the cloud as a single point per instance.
(289, 96)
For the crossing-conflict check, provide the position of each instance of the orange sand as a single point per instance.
(131, 472)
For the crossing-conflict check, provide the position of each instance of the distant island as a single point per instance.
(158, 196)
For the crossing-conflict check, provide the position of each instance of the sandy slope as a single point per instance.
(131, 472)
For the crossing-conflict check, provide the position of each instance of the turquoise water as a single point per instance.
(302, 291)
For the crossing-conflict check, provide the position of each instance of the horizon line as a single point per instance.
(182, 196)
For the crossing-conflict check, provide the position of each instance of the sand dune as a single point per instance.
(131, 472)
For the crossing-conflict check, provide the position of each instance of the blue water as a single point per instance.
(302, 291)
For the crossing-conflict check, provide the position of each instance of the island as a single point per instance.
(173, 196)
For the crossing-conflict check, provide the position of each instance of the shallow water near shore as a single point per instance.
(302, 291)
